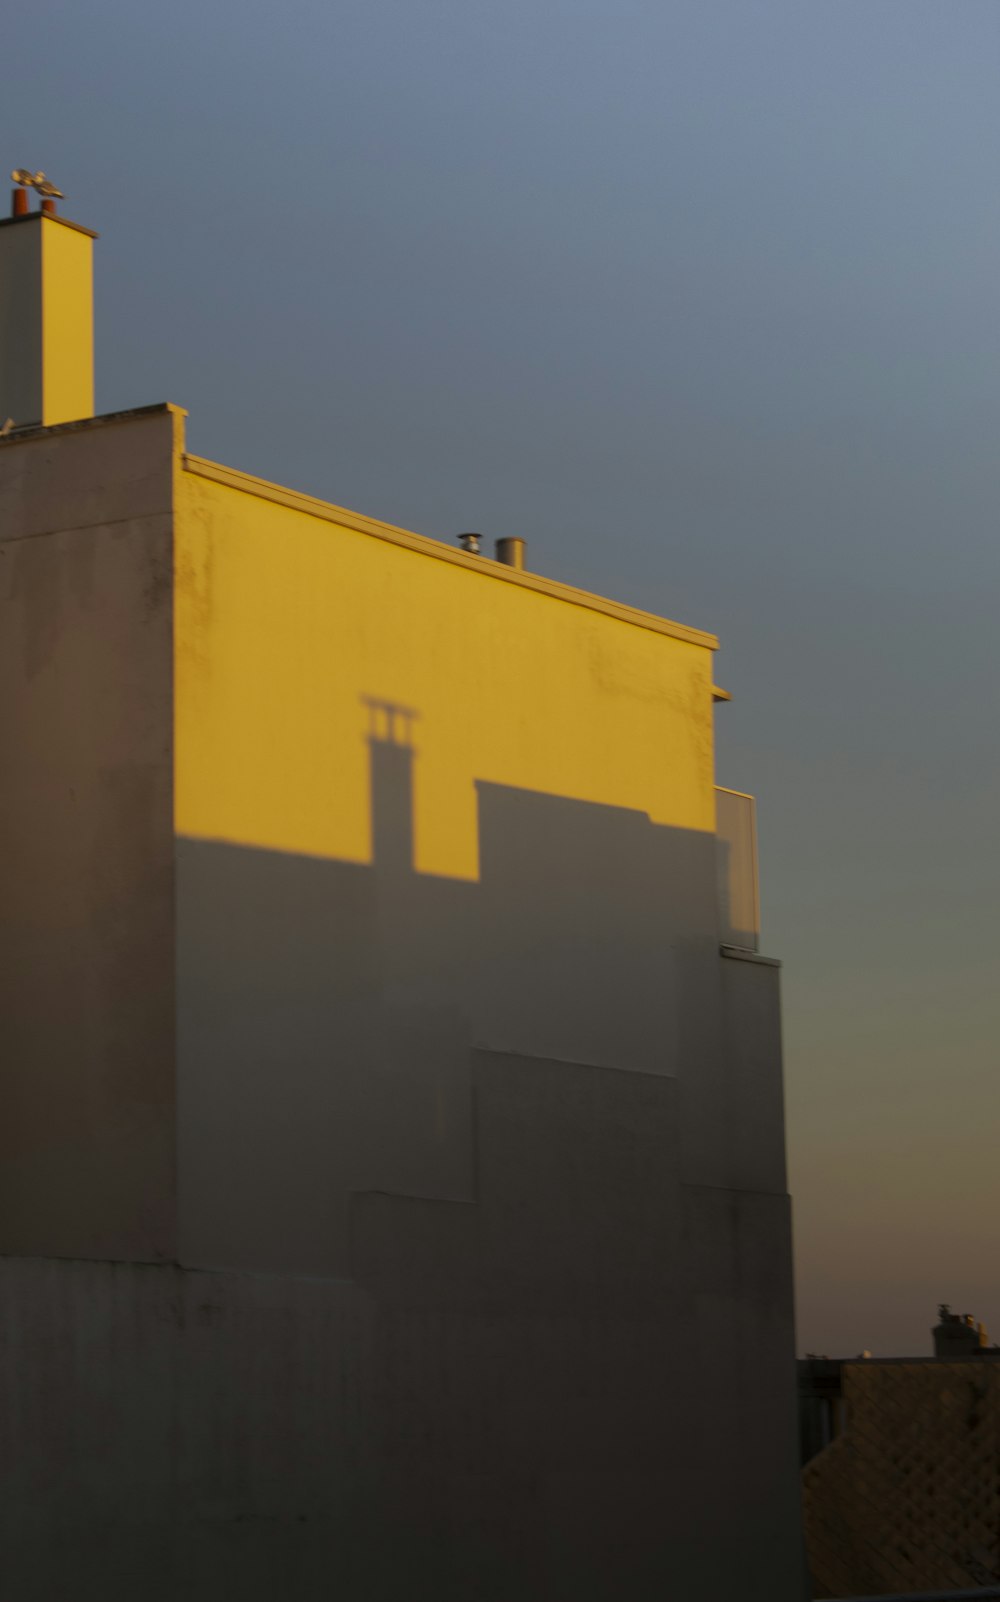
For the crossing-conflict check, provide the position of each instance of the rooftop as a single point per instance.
(356, 521)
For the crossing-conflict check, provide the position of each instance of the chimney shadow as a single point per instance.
(392, 754)
(327, 1009)
(486, 1112)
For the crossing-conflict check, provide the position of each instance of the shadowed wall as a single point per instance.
(86, 782)
(536, 1121)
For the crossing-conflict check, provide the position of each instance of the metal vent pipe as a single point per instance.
(511, 552)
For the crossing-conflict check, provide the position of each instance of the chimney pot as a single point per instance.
(49, 206)
(19, 203)
(511, 552)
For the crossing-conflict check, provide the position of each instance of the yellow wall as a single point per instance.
(68, 329)
(287, 623)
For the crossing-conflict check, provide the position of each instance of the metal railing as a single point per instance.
(737, 886)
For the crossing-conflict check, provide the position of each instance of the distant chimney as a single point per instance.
(46, 317)
(470, 543)
(511, 552)
(957, 1334)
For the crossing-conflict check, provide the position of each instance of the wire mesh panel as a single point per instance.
(905, 1502)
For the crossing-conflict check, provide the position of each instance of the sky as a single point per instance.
(701, 298)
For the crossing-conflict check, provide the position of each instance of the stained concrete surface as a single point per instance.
(86, 795)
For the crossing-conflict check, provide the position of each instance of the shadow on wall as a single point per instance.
(327, 1009)
(524, 1325)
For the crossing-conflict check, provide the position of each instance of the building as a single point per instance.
(900, 1468)
(394, 1195)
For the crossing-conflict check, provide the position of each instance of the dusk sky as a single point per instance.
(702, 298)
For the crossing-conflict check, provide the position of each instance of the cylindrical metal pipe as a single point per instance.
(49, 206)
(511, 552)
(19, 203)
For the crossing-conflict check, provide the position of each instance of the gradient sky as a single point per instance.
(700, 297)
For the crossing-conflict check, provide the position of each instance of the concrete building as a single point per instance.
(900, 1468)
(393, 1184)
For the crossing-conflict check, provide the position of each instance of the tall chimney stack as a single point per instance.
(46, 317)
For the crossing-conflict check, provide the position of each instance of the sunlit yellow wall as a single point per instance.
(68, 322)
(285, 624)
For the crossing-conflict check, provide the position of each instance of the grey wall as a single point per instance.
(327, 1010)
(86, 910)
(536, 1122)
(573, 1387)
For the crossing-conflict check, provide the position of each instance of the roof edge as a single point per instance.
(33, 431)
(199, 467)
(48, 216)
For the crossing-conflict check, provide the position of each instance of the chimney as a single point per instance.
(46, 317)
(510, 552)
(957, 1334)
